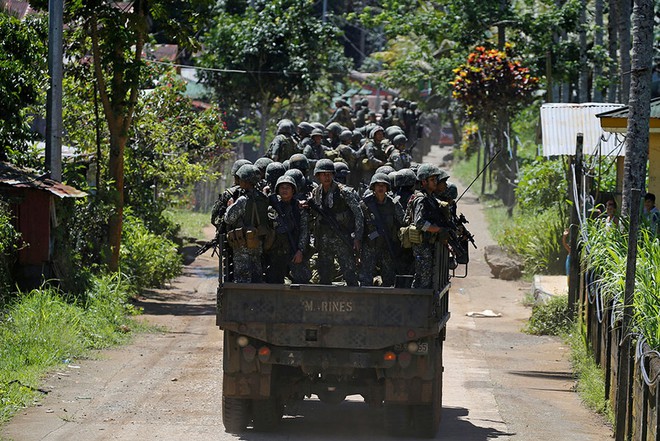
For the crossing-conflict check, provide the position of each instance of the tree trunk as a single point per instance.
(612, 45)
(637, 142)
(624, 48)
(637, 139)
(598, 44)
(583, 80)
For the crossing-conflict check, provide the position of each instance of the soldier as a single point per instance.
(342, 171)
(334, 130)
(398, 156)
(342, 115)
(314, 150)
(427, 218)
(406, 180)
(383, 218)
(262, 164)
(304, 134)
(306, 186)
(345, 149)
(386, 114)
(338, 226)
(374, 150)
(233, 192)
(247, 227)
(273, 172)
(283, 145)
(286, 256)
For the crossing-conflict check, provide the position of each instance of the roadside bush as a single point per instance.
(9, 240)
(542, 185)
(537, 240)
(41, 329)
(551, 318)
(148, 259)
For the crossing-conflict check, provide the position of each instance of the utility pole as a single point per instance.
(637, 142)
(574, 267)
(54, 97)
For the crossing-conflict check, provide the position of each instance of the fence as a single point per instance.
(638, 404)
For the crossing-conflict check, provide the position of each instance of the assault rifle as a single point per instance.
(330, 219)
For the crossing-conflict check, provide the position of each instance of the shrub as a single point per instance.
(41, 329)
(148, 259)
(9, 239)
(542, 185)
(551, 318)
(537, 240)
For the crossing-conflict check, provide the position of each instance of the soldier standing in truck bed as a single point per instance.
(338, 225)
(427, 218)
(247, 227)
(287, 255)
(383, 217)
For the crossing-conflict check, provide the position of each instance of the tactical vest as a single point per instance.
(386, 215)
(256, 211)
(340, 210)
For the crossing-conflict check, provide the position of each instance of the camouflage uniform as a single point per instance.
(342, 204)
(248, 212)
(283, 145)
(426, 213)
(375, 250)
(292, 234)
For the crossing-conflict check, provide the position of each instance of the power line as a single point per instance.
(240, 71)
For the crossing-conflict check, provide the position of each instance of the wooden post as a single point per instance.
(574, 268)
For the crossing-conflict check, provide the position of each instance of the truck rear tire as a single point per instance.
(235, 414)
(426, 417)
(397, 421)
(266, 414)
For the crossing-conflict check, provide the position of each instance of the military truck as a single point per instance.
(283, 343)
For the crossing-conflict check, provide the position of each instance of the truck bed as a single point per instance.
(331, 316)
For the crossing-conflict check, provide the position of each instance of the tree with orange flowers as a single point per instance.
(491, 86)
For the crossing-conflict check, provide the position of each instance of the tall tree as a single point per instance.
(23, 79)
(112, 35)
(268, 51)
(623, 15)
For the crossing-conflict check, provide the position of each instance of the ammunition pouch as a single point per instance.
(409, 236)
(243, 238)
(268, 236)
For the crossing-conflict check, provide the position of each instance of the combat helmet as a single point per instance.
(286, 179)
(399, 140)
(249, 173)
(335, 128)
(297, 176)
(324, 166)
(274, 171)
(262, 164)
(405, 178)
(238, 164)
(386, 169)
(374, 130)
(381, 178)
(341, 170)
(285, 127)
(305, 128)
(299, 161)
(346, 136)
(426, 170)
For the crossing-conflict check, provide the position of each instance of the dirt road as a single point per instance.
(499, 383)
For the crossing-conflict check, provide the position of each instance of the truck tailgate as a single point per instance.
(331, 316)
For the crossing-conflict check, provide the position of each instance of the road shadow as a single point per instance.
(355, 420)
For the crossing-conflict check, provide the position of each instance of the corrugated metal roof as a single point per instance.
(561, 122)
(624, 111)
(24, 178)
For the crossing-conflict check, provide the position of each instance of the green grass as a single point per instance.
(192, 222)
(591, 378)
(40, 331)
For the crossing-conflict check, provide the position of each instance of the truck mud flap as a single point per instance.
(412, 391)
(240, 385)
